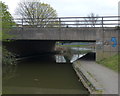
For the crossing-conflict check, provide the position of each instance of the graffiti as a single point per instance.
(114, 41)
(107, 42)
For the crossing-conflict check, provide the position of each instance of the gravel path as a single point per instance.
(106, 77)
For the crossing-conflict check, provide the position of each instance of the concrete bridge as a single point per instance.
(30, 40)
(57, 34)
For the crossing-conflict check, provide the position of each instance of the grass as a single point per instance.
(72, 45)
(111, 62)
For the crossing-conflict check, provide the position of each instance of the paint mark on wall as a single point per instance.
(114, 41)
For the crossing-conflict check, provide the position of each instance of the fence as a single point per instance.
(101, 21)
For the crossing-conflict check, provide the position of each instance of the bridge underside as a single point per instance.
(34, 47)
(30, 47)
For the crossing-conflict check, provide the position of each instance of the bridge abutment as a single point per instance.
(107, 43)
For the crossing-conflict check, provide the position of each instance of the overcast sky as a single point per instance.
(78, 8)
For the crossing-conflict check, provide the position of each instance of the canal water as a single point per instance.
(42, 75)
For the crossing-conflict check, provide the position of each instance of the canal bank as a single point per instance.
(87, 79)
(96, 78)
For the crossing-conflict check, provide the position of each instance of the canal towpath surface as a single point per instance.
(107, 78)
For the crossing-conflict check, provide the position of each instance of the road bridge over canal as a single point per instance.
(41, 37)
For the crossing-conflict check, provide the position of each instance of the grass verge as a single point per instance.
(111, 62)
(71, 45)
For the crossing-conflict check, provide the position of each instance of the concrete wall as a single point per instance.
(54, 33)
(119, 41)
(119, 25)
(105, 47)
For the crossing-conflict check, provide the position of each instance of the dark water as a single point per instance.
(42, 75)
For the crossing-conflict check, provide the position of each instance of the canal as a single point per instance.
(42, 75)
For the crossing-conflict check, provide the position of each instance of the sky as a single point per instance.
(75, 8)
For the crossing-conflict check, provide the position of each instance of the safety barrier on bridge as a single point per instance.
(101, 21)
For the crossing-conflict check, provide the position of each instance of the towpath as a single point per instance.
(106, 77)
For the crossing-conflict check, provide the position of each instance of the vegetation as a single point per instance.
(7, 23)
(111, 62)
(8, 57)
(36, 13)
(117, 27)
(9, 65)
(91, 20)
(72, 45)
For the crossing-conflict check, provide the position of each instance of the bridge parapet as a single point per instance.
(100, 21)
(87, 34)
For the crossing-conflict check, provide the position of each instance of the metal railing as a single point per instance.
(101, 21)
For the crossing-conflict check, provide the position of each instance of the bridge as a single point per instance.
(33, 36)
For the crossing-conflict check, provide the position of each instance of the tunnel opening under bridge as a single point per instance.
(26, 48)
(34, 48)
(74, 50)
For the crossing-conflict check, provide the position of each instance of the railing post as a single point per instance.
(102, 22)
(59, 22)
(22, 22)
(59, 29)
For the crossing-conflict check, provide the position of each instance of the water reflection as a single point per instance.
(60, 59)
(42, 75)
(8, 71)
(76, 57)
(71, 54)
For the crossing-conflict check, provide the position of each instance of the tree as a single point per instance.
(36, 13)
(7, 21)
(91, 19)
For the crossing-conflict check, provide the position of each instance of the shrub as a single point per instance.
(8, 57)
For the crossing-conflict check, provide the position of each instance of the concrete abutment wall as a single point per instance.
(107, 43)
